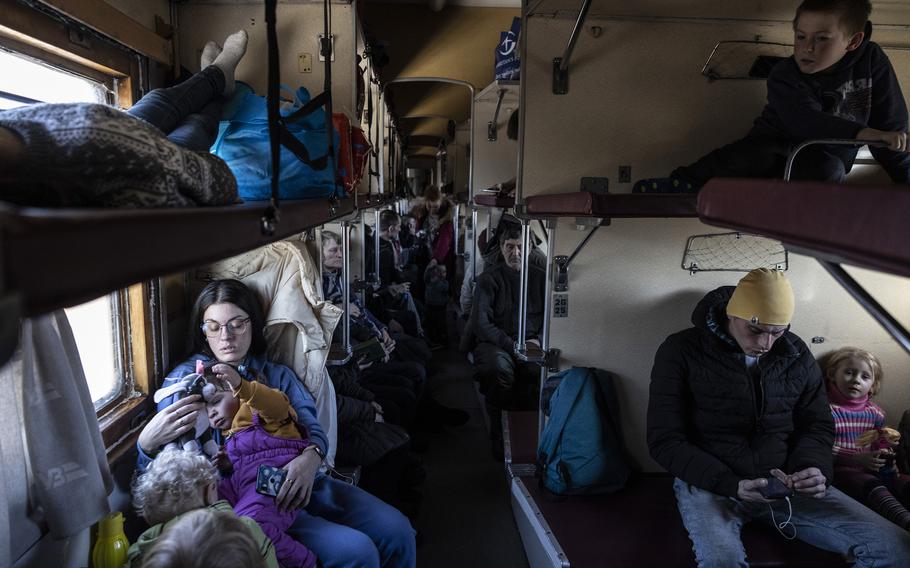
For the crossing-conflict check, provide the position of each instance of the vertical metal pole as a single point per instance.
(523, 290)
(380, 128)
(376, 214)
(523, 105)
(474, 248)
(319, 252)
(363, 247)
(545, 331)
(471, 155)
(346, 284)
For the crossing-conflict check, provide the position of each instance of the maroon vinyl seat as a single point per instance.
(640, 525)
(494, 200)
(856, 224)
(612, 205)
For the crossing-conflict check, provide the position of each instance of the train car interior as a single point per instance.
(309, 283)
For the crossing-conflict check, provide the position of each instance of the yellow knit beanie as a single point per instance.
(763, 296)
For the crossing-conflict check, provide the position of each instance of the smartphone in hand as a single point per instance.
(775, 489)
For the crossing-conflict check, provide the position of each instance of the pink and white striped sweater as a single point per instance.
(852, 417)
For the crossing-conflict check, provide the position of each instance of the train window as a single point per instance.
(101, 339)
(26, 81)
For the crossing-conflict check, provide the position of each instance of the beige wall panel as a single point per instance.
(494, 161)
(635, 100)
(298, 29)
(637, 97)
(143, 11)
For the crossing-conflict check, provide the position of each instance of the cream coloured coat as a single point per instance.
(298, 322)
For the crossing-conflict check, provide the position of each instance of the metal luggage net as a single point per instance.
(733, 252)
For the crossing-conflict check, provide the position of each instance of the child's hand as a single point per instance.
(870, 461)
(897, 141)
(222, 462)
(227, 373)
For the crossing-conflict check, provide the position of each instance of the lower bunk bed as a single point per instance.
(636, 526)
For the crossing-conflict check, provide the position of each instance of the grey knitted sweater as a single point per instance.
(83, 154)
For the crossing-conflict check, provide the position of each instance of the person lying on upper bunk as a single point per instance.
(492, 330)
(837, 84)
(156, 154)
(738, 415)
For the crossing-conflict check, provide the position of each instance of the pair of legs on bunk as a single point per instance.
(156, 154)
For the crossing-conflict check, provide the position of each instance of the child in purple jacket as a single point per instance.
(261, 429)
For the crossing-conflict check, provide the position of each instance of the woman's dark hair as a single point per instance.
(226, 292)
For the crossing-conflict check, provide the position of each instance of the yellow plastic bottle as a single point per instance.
(111, 547)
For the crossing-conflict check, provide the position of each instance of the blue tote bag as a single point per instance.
(243, 142)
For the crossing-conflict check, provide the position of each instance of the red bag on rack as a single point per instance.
(353, 151)
(360, 153)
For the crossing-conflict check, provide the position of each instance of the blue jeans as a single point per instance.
(187, 113)
(835, 522)
(346, 527)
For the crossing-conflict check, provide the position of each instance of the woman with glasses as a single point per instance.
(342, 524)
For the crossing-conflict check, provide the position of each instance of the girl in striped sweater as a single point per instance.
(854, 377)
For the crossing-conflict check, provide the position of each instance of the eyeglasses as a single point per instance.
(236, 326)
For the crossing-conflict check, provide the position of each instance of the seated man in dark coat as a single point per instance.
(506, 382)
(737, 406)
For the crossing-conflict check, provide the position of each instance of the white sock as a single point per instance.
(230, 56)
(209, 53)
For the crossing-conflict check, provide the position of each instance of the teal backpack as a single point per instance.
(581, 450)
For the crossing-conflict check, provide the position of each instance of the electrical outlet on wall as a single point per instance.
(625, 174)
(305, 62)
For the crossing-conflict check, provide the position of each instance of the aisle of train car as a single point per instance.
(466, 518)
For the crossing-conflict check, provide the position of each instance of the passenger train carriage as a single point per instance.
(98, 282)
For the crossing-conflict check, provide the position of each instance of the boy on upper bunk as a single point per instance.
(837, 84)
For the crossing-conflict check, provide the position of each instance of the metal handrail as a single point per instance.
(788, 169)
(576, 31)
(545, 330)
(521, 340)
(345, 294)
(492, 125)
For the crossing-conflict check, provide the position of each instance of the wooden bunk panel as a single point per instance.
(861, 225)
(494, 200)
(55, 258)
(612, 205)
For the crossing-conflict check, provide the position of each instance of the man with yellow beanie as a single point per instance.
(738, 400)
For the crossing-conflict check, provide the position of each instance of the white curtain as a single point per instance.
(55, 476)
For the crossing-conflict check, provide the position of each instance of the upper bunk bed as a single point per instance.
(855, 224)
(494, 200)
(611, 205)
(862, 225)
(55, 258)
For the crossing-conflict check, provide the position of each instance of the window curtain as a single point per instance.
(55, 475)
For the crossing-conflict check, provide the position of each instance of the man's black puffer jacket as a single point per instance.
(711, 425)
